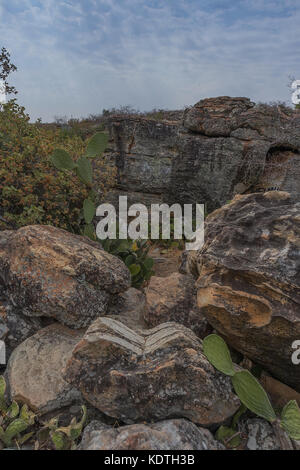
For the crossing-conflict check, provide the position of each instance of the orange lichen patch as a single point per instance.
(165, 365)
(3, 313)
(277, 195)
(257, 309)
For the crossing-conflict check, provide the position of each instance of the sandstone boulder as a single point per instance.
(46, 271)
(174, 299)
(148, 375)
(175, 434)
(35, 367)
(249, 279)
(129, 307)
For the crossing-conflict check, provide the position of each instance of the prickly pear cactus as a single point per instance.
(84, 170)
(249, 390)
(290, 419)
(252, 395)
(218, 354)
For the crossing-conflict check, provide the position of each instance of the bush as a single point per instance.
(32, 191)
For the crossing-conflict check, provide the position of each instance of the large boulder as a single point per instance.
(45, 271)
(174, 434)
(174, 299)
(249, 279)
(149, 375)
(35, 367)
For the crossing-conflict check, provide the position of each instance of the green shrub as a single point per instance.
(135, 256)
(32, 191)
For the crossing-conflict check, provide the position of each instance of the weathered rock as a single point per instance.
(49, 272)
(174, 299)
(175, 434)
(188, 263)
(259, 434)
(279, 393)
(129, 306)
(35, 367)
(217, 117)
(249, 279)
(223, 146)
(16, 327)
(148, 375)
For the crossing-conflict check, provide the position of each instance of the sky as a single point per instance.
(77, 57)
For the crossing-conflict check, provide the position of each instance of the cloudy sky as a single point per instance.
(77, 57)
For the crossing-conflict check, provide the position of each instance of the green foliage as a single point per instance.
(13, 420)
(135, 256)
(252, 395)
(290, 419)
(83, 169)
(249, 390)
(97, 145)
(229, 437)
(32, 189)
(62, 160)
(218, 354)
(133, 253)
(89, 210)
(62, 437)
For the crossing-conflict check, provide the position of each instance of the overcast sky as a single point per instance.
(78, 57)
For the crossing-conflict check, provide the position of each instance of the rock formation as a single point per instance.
(175, 434)
(249, 279)
(221, 147)
(148, 375)
(174, 299)
(45, 271)
(35, 368)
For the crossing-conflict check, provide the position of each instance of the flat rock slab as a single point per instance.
(35, 367)
(148, 375)
(174, 434)
(49, 272)
(249, 279)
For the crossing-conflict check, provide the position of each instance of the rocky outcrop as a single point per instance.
(45, 271)
(175, 434)
(249, 279)
(222, 146)
(174, 299)
(35, 367)
(149, 375)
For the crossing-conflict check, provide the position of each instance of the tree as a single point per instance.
(6, 67)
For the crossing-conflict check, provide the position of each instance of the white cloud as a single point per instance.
(78, 57)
